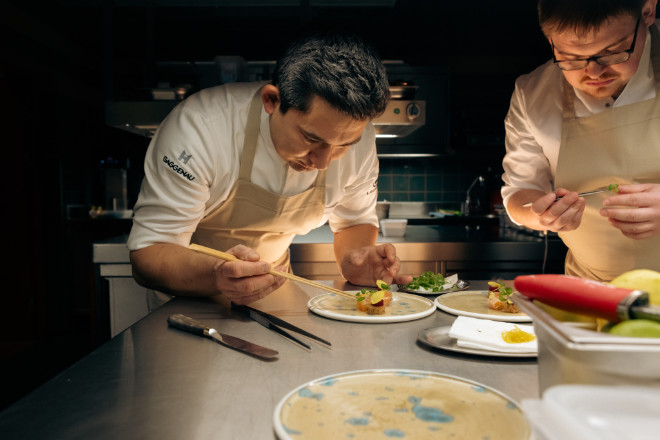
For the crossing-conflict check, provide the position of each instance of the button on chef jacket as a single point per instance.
(193, 161)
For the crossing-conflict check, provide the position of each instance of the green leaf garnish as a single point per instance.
(613, 187)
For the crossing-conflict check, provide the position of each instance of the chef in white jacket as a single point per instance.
(245, 167)
(587, 119)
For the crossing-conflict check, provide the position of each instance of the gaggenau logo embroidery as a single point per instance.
(178, 169)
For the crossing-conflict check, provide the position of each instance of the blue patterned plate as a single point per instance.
(391, 404)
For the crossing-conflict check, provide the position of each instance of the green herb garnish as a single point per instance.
(613, 187)
(503, 291)
(428, 280)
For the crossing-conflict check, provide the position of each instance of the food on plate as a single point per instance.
(517, 336)
(498, 297)
(430, 282)
(374, 302)
(614, 187)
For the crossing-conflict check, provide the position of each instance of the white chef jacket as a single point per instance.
(193, 161)
(533, 123)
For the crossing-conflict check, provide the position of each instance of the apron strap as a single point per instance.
(251, 134)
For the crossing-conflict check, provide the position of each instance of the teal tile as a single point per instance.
(417, 183)
(384, 183)
(417, 196)
(400, 197)
(400, 183)
(433, 182)
(384, 195)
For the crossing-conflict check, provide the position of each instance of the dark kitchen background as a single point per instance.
(64, 61)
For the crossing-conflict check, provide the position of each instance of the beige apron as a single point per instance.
(619, 145)
(257, 218)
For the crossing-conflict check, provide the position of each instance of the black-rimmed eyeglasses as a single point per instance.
(603, 60)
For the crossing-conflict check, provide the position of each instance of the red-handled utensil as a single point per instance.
(587, 297)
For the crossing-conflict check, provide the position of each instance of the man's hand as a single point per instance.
(563, 215)
(177, 270)
(634, 210)
(363, 266)
(247, 279)
(545, 213)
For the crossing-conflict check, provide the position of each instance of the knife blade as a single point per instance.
(191, 325)
(587, 297)
(582, 194)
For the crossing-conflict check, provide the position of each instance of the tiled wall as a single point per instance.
(440, 180)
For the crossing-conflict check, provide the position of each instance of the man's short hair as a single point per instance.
(582, 16)
(342, 69)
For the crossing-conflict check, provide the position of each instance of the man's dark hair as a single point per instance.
(582, 16)
(341, 69)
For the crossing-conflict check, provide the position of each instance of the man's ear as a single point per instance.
(270, 96)
(648, 12)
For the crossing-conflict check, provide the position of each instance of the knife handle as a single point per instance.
(188, 324)
(575, 294)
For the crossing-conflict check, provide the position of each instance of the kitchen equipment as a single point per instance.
(587, 297)
(569, 353)
(391, 227)
(274, 323)
(595, 412)
(383, 210)
(228, 257)
(400, 118)
(582, 194)
(188, 324)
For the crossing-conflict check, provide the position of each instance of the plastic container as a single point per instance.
(392, 227)
(569, 353)
(595, 412)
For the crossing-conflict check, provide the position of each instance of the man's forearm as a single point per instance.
(174, 269)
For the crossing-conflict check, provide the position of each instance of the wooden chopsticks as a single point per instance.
(229, 257)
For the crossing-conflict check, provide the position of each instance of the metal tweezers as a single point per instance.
(274, 323)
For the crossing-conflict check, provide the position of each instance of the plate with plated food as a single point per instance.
(379, 305)
(430, 283)
(493, 303)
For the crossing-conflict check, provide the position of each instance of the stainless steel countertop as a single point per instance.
(152, 381)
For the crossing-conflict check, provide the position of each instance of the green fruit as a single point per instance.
(641, 279)
(637, 328)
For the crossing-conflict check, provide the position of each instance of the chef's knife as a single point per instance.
(190, 325)
(587, 297)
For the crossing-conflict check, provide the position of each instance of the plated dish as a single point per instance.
(431, 283)
(438, 337)
(397, 404)
(460, 285)
(474, 303)
(404, 307)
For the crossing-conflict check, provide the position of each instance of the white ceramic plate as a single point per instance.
(474, 303)
(438, 337)
(460, 285)
(404, 307)
(379, 404)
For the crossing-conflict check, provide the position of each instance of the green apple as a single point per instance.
(636, 328)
